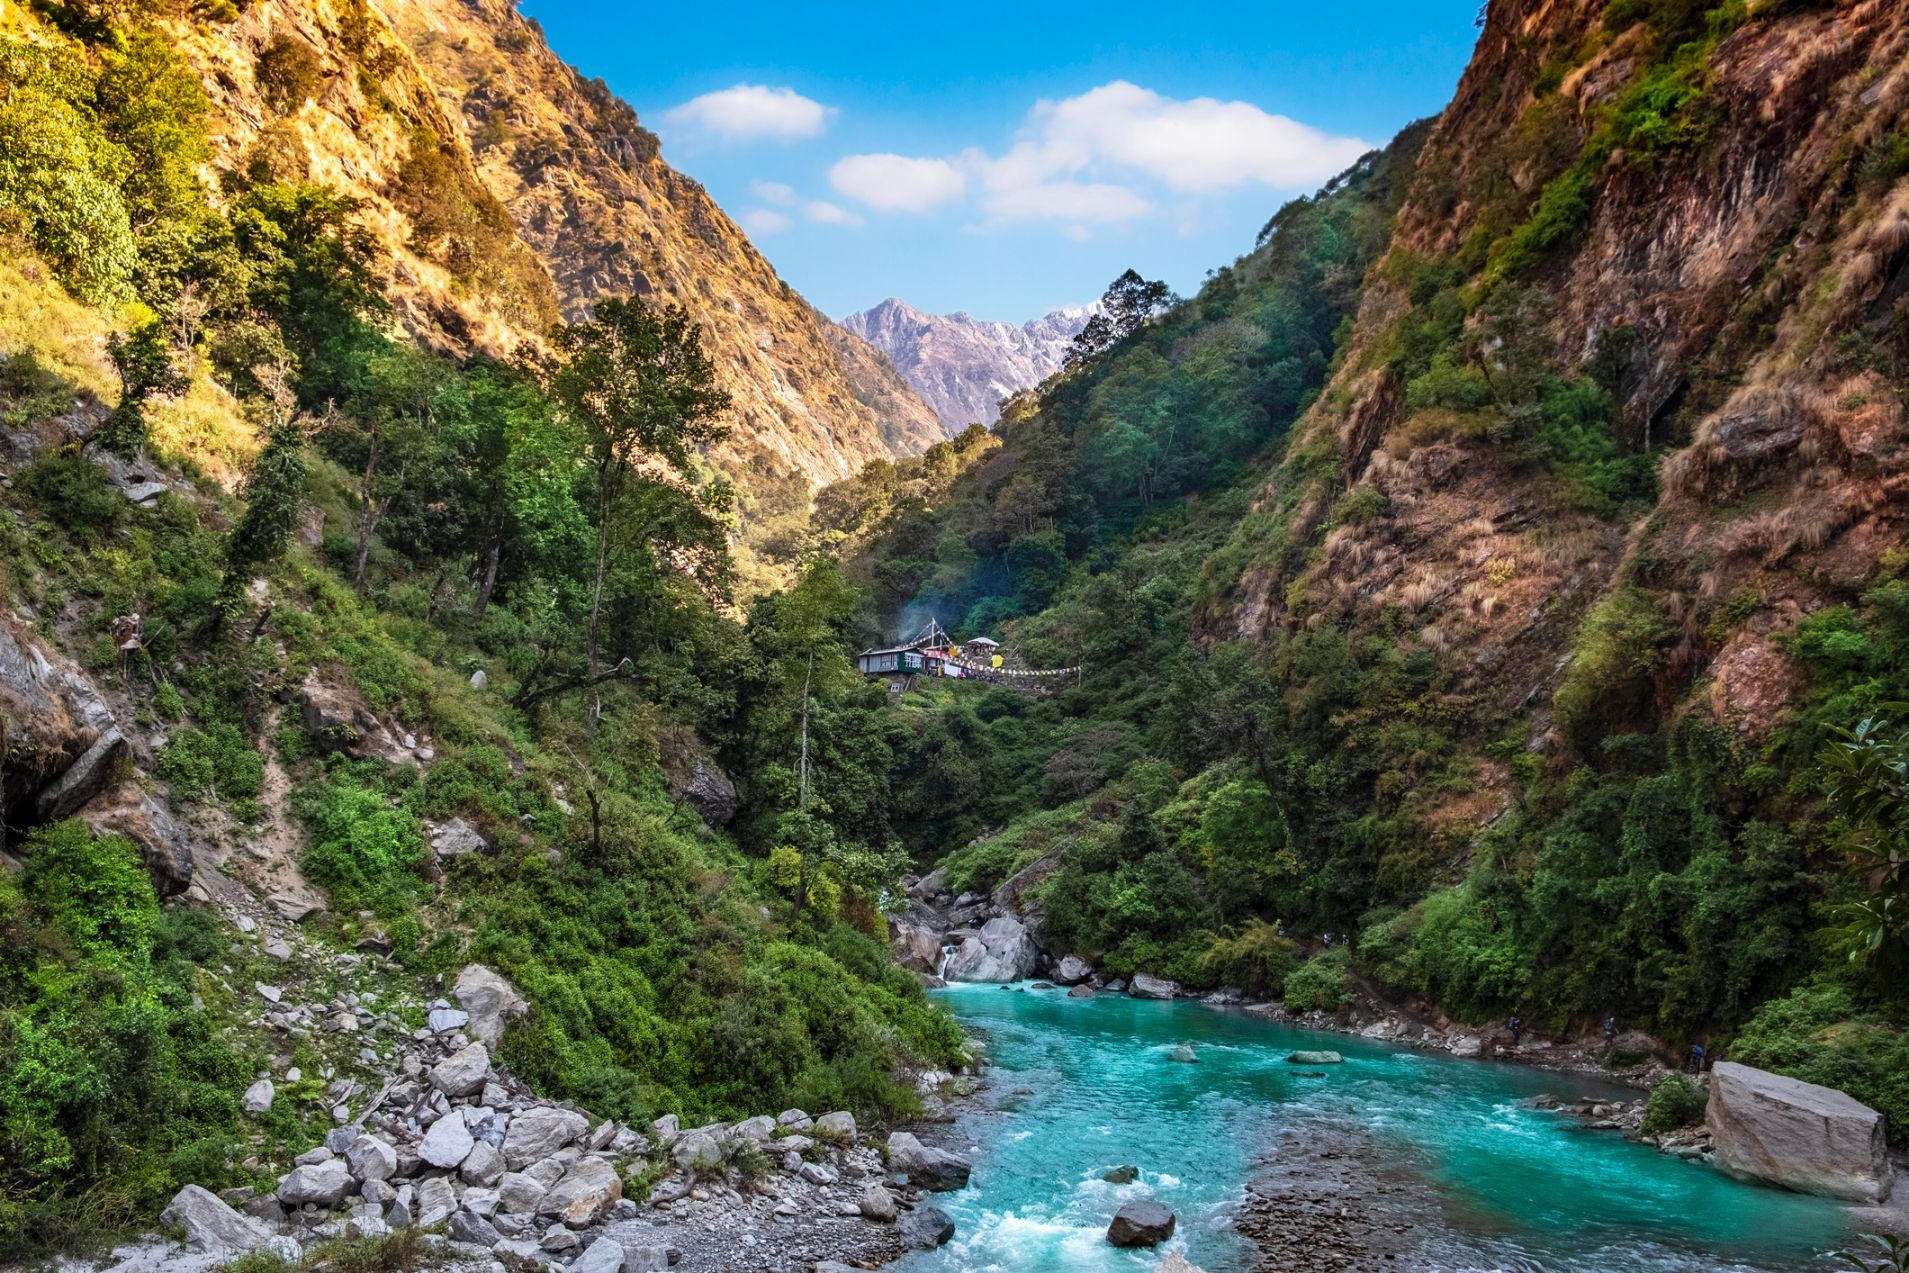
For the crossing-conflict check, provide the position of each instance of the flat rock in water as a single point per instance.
(1314, 1058)
(1783, 1131)
(1141, 1222)
(925, 1228)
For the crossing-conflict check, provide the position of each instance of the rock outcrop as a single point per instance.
(1001, 950)
(1783, 1131)
(490, 1000)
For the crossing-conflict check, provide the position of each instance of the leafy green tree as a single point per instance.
(639, 386)
(1125, 307)
(60, 174)
(273, 490)
(144, 360)
(1868, 786)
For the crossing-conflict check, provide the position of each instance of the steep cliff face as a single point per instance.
(507, 189)
(1683, 248)
(964, 366)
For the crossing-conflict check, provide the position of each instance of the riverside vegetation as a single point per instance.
(1253, 515)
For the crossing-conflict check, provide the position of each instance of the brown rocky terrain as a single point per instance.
(1701, 288)
(409, 105)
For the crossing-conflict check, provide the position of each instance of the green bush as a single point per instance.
(366, 854)
(1675, 1102)
(1320, 984)
(114, 1089)
(1820, 1033)
(1253, 956)
(217, 763)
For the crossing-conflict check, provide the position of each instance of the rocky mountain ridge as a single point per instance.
(964, 366)
(1703, 288)
(435, 110)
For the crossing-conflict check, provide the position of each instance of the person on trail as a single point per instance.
(1327, 938)
(1515, 1024)
(1610, 1033)
(1696, 1058)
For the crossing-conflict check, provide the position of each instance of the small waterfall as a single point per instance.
(941, 965)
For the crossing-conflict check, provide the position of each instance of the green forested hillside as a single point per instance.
(512, 560)
(1390, 632)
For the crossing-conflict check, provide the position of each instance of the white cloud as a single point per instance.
(1200, 145)
(773, 192)
(753, 110)
(830, 214)
(763, 221)
(897, 183)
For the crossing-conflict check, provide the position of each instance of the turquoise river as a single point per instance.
(1471, 1172)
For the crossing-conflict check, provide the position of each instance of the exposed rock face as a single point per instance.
(596, 202)
(55, 717)
(1002, 950)
(917, 948)
(127, 810)
(697, 780)
(1786, 1132)
(212, 1228)
(964, 366)
(1141, 1222)
(1654, 283)
(907, 422)
(1072, 970)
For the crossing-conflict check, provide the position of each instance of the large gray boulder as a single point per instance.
(448, 1142)
(583, 1195)
(1142, 1222)
(490, 999)
(463, 1072)
(1147, 986)
(212, 1228)
(917, 947)
(925, 1228)
(1002, 950)
(694, 777)
(323, 1184)
(371, 1158)
(935, 1170)
(1072, 970)
(1783, 1131)
(538, 1133)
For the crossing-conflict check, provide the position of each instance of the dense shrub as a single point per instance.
(289, 71)
(217, 763)
(1675, 1102)
(1821, 1034)
(1320, 984)
(364, 852)
(114, 1089)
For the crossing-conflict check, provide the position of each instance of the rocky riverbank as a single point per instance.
(456, 1145)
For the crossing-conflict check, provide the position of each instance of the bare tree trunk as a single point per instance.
(491, 560)
(802, 786)
(366, 518)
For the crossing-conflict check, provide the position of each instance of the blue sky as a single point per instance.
(1010, 159)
